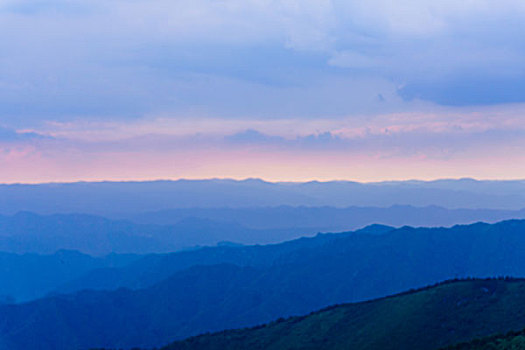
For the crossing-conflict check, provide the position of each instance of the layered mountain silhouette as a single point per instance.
(171, 230)
(375, 261)
(159, 298)
(31, 233)
(328, 219)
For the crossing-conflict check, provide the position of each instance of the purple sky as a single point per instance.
(283, 90)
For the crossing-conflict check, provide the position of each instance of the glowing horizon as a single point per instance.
(319, 90)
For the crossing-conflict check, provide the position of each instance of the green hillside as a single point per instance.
(509, 341)
(429, 318)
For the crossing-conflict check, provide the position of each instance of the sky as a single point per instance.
(292, 90)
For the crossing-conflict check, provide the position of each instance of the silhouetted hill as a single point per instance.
(156, 267)
(30, 276)
(368, 263)
(190, 302)
(29, 232)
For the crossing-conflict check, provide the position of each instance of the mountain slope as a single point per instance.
(359, 265)
(30, 276)
(509, 341)
(31, 233)
(427, 319)
(171, 230)
(256, 284)
(154, 268)
(190, 302)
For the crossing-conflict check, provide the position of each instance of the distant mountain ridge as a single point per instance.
(329, 219)
(107, 198)
(171, 230)
(27, 232)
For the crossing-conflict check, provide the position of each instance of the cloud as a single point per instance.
(327, 82)
(400, 145)
(35, 7)
(251, 136)
(123, 60)
(463, 91)
(348, 59)
(421, 129)
(10, 135)
(311, 141)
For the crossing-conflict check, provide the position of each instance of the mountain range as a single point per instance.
(176, 229)
(326, 219)
(110, 198)
(27, 232)
(159, 298)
